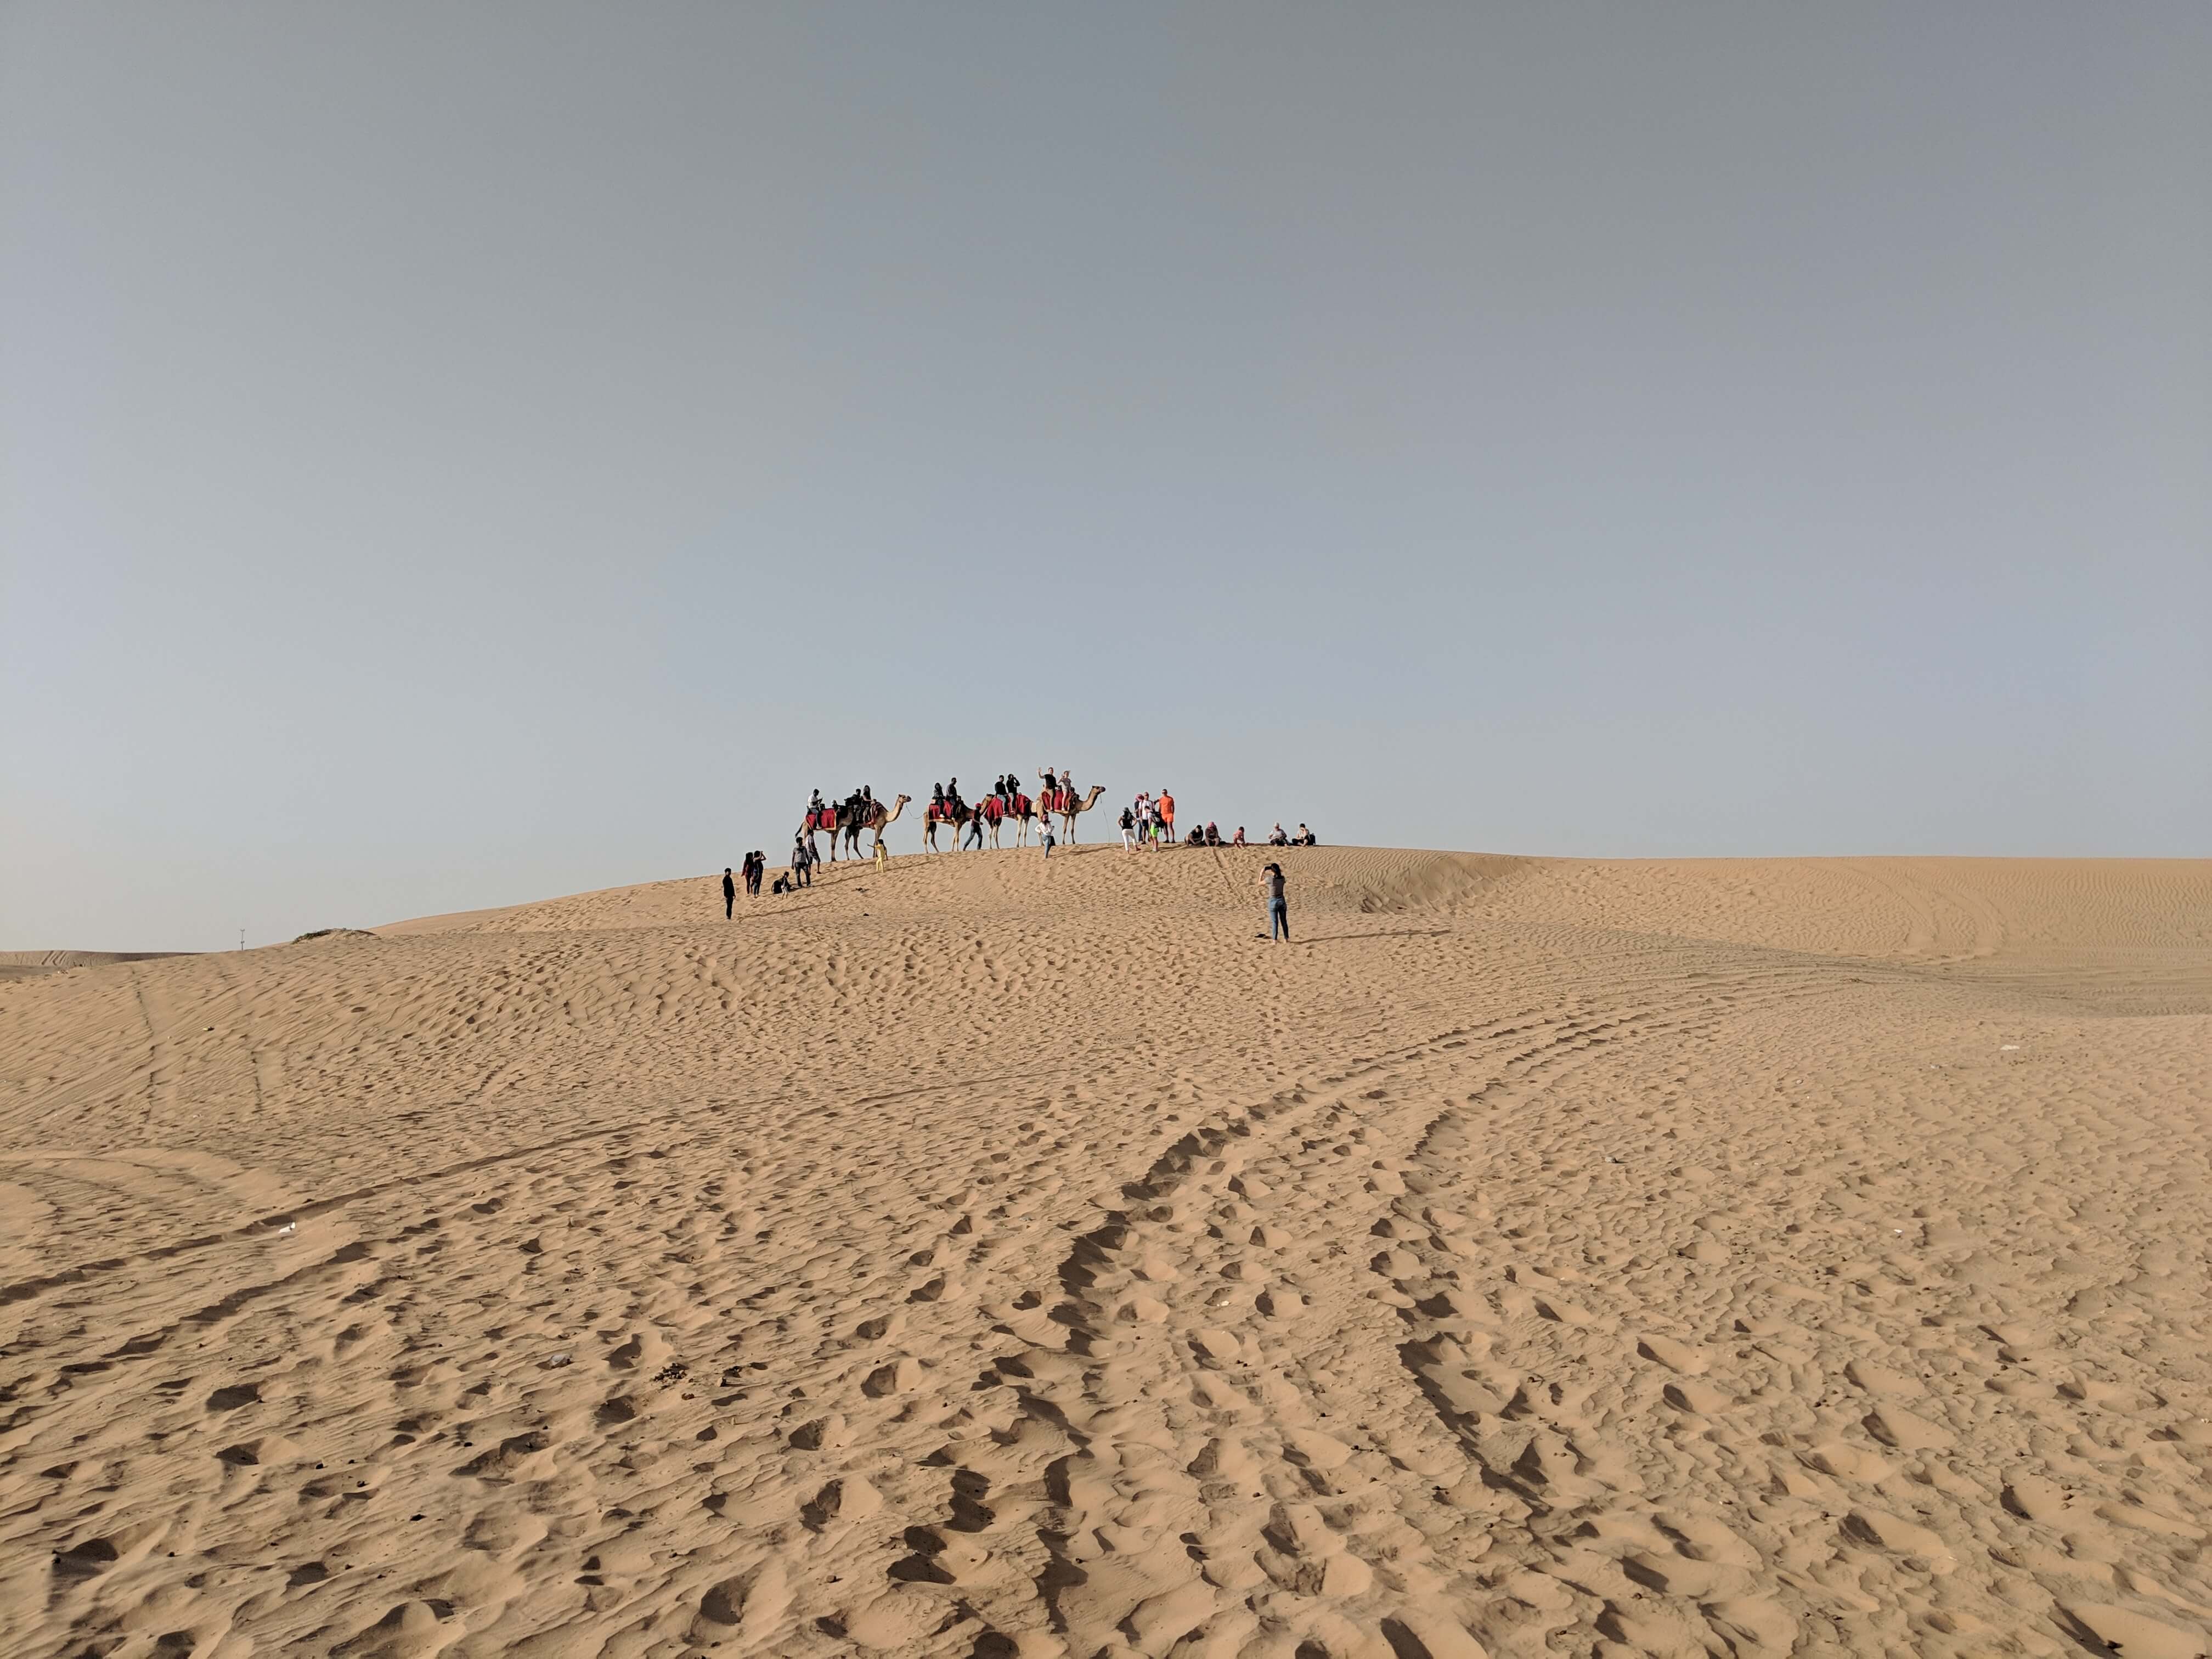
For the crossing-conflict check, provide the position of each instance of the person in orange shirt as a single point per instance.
(1167, 817)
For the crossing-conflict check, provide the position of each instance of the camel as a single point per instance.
(878, 820)
(933, 815)
(841, 823)
(829, 818)
(829, 821)
(996, 812)
(1066, 814)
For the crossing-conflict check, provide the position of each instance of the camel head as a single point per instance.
(1091, 799)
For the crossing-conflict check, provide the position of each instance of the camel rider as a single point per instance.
(814, 806)
(867, 814)
(952, 795)
(937, 800)
(1066, 789)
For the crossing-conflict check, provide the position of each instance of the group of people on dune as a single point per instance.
(1149, 820)
(753, 869)
(1057, 794)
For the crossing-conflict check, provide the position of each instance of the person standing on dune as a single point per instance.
(1278, 906)
(729, 894)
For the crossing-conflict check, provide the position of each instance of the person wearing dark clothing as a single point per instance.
(730, 893)
(1278, 906)
(975, 833)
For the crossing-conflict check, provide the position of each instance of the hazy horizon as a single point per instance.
(453, 457)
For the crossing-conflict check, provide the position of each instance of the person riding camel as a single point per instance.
(814, 805)
(937, 800)
(952, 796)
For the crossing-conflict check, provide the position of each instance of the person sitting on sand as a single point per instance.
(1213, 833)
(1277, 838)
(1304, 838)
(1239, 840)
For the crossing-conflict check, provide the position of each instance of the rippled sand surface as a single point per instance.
(989, 1255)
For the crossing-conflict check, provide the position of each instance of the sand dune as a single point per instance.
(990, 1255)
(28, 965)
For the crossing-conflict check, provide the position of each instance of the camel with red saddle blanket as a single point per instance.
(845, 823)
(938, 812)
(997, 811)
(1063, 805)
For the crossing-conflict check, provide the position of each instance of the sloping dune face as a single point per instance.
(29, 964)
(993, 1255)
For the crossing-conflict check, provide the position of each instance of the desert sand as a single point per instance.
(991, 1255)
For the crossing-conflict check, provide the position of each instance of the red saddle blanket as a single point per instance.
(1055, 800)
(1021, 806)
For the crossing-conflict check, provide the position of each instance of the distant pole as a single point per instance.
(241, 939)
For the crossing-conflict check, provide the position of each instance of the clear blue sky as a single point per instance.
(450, 455)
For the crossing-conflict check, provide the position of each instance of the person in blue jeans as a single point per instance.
(1278, 907)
